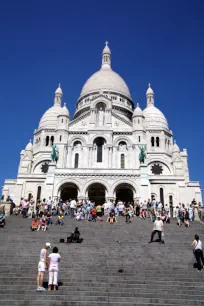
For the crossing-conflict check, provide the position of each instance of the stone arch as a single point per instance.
(77, 138)
(59, 186)
(101, 100)
(39, 161)
(122, 138)
(99, 135)
(124, 184)
(124, 190)
(123, 181)
(99, 181)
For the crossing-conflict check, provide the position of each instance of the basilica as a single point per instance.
(99, 149)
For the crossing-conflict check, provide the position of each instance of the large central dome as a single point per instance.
(106, 78)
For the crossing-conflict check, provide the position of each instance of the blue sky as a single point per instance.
(46, 42)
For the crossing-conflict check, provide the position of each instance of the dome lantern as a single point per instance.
(106, 57)
(150, 95)
(58, 96)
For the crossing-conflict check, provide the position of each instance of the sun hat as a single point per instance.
(48, 244)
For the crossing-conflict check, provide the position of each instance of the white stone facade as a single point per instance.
(99, 149)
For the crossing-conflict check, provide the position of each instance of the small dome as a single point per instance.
(29, 146)
(106, 79)
(64, 111)
(154, 118)
(22, 152)
(137, 111)
(49, 119)
(58, 90)
(175, 148)
(149, 90)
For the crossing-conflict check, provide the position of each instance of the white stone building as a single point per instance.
(99, 149)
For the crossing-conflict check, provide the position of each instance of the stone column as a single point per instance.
(114, 157)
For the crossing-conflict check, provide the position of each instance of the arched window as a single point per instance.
(170, 200)
(38, 193)
(62, 120)
(60, 138)
(47, 141)
(161, 190)
(122, 161)
(99, 143)
(165, 142)
(138, 121)
(29, 196)
(139, 138)
(157, 141)
(76, 160)
(152, 141)
(51, 140)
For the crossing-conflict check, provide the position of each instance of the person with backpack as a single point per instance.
(198, 251)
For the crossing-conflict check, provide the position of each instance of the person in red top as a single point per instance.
(35, 225)
(93, 213)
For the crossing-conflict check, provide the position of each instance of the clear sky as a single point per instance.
(46, 42)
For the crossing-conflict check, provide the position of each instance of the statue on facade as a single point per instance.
(55, 153)
(122, 146)
(100, 116)
(142, 155)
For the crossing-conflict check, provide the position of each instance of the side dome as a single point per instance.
(137, 111)
(64, 111)
(49, 119)
(175, 148)
(154, 118)
(105, 79)
(29, 146)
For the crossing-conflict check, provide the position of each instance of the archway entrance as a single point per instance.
(69, 191)
(97, 193)
(124, 192)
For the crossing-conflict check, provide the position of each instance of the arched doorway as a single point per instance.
(97, 193)
(124, 192)
(69, 191)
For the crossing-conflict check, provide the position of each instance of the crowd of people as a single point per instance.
(43, 211)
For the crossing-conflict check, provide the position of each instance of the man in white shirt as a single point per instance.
(120, 207)
(49, 204)
(72, 207)
(158, 228)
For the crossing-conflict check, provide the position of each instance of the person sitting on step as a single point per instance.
(35, 225)
(43, 223)
(60, 220)
(112, 218)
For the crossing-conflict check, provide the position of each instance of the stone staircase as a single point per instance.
(153, 274)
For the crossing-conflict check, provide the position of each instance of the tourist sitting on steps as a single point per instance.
(112, 218)
(198, 251)
(75, 237)
(60, 220)
(42, 267)
(35, 226)
(43, 223)
(2, 219)
(158, 228)
(53, 263)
